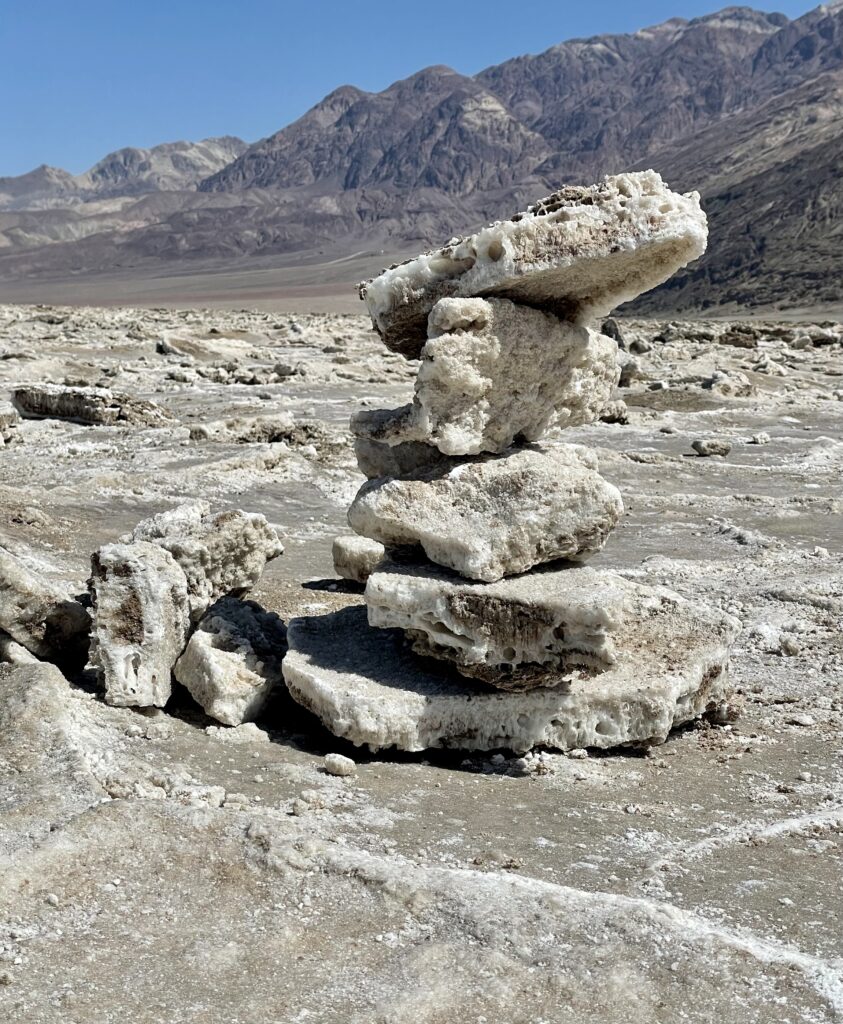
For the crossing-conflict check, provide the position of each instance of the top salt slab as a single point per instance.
(578, 253)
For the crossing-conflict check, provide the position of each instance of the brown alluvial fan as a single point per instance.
(744, 106)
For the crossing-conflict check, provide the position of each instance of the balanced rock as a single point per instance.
(233, 660)
(141, 621)
(220, 553)
(368, 686)
(88, 405)
(544, 629)
(492, 372)
(39, 615)
(356, 558)
(578, 253)
(493, 516)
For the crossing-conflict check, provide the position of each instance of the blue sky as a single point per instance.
(79, 78)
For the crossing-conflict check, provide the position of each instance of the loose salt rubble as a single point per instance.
(220, 553)
(491, 372)
(233, 660)
(537, 630)
(495, 515)
(367, 687)
(39, 615)
(356, 558)
(578, 253)
(89, 405)
(141, 621)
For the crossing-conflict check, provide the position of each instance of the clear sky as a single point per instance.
(80, 78)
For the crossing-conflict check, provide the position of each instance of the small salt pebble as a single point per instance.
(578, 753)
(790, 646)
(498, 759)
(338, 764)
(804, 776)
(711, 446)
(801, 719)
(52, 899)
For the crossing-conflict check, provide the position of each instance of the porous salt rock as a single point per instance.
(492, 516)
(89, 405)
(537, 630)
(578, 253)
(338, 764)
(141, 621)
(233, 660)
(367, 686)
(491, 372)
(39, 615)
(356, 558)
(220, 553)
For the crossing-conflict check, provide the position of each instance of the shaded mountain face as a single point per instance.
(745, 106)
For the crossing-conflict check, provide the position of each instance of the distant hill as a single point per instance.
(745, 106)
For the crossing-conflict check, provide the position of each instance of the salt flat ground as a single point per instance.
(156, 869)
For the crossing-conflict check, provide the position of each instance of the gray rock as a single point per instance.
(367, 686)
(233, 660)
(542, 629)
(141, 621)
(377, 458)
(492, 516)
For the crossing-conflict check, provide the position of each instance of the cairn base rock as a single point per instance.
(541, 629)
(369, 687)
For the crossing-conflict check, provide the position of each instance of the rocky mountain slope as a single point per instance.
(743, 105)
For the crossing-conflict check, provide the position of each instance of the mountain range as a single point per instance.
(744, 106)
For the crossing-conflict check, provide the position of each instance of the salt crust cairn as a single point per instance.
(578, 253)
(356, 558)
(39, 615)
(88, 405)
(494, 516)
(545, 629)
(367, 686)
(233, 660)
(220, 553)
(492, 372)
(141, 621)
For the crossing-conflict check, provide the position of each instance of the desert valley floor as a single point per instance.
(158, 867)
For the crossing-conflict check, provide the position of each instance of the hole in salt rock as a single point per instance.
(605, 727)
(495, 251)
(509, 653)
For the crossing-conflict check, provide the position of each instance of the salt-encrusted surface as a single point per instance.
(543, 628)
(141, 621)
(492, 516)
(368, 686)
(233, 660)
(580, 252)
(492, 372)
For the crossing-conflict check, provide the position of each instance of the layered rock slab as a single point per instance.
(88, 405)
(39, 615)
(141, 621)
(493, 516)
(233, 660)
(368, 686)
(220, 553)
(492, 372)
(543, 629)
(578, 253)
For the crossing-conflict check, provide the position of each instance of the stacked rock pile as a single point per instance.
(495, 641)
